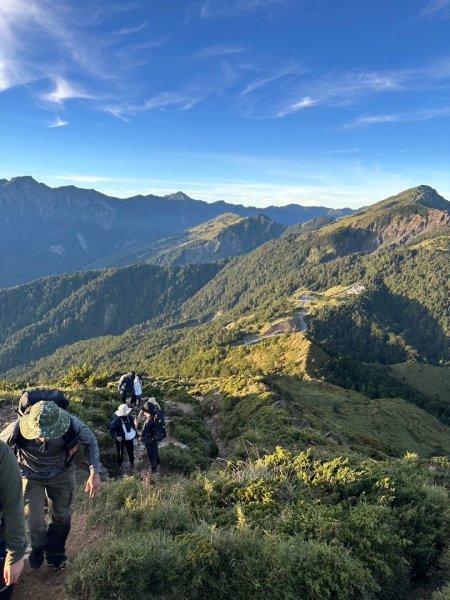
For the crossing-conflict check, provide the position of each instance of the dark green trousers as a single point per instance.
(59, 494)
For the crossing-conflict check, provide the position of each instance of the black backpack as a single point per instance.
(30, 397)
(159, 423)
(154, 429)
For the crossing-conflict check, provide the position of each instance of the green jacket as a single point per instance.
(11, 505)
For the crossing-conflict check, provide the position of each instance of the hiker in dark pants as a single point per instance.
(126, 388)
(123, 431)
(46, 440)
(153, 431)
(12, 534)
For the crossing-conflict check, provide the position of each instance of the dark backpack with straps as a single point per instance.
(30, 397)
(154, 429)
(159, 423)
(71, 439)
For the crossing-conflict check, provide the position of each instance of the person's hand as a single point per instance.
(93, 485)
(11, 573)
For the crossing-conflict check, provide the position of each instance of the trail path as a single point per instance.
(47, 584)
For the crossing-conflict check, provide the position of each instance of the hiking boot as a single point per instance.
(36, 558)
(57, 562)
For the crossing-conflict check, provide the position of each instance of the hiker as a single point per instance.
(123, 430)
(126, 388)
(138, 389)
(46, 441)
(153, 431)
(12, 535)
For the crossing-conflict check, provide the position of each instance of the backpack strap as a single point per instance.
(71, 439)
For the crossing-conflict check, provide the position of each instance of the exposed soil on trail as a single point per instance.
(46, 583)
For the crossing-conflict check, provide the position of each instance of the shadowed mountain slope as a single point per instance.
(47, 231)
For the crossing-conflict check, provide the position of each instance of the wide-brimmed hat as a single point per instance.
(123, 410)
(45, 420)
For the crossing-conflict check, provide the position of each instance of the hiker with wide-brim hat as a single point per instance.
(46, 440)
(123, 430)
(12, 535)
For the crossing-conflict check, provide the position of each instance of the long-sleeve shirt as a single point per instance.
(40, 461)
(11, 506)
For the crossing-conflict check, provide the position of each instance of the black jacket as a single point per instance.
(116, 429)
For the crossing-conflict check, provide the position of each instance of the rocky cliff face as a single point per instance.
(401, 231)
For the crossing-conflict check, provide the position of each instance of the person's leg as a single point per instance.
(119, 448)
(157, 455)
(60, 493)
(34, 497)
(132, 399)
(130, 450)
(152, 453)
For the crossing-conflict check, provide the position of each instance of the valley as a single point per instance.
(305, 379)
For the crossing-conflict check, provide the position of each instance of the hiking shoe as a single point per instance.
(36, 558)
(57, 562)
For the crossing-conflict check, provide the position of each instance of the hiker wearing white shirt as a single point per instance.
(138, 388)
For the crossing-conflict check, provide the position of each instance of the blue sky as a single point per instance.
(251, 101)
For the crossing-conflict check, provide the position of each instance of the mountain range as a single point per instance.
(312, 359)
(394, 254)
(48, 231)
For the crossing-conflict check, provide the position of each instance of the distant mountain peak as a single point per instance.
(178, 196)
(22, 179)
(421, 195)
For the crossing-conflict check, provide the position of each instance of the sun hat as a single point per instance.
(45, 420)
(123, 410)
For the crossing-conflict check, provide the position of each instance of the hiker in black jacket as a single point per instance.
(123, 430)
(153, 432)
(12, 536)
(126, 388)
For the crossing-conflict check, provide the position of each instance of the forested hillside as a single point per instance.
(38, 318)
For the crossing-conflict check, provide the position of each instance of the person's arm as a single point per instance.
(6, 434)
(88, 439)
(11, 508)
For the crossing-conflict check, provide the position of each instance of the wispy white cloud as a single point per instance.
(305, 102)
(133, 30)
(439, 8)
(84, 178)
(230, 8)
(62, 53)
(407, 116)
(290, 71)
(58, 122)
(219, 50)
(162, 101)
(300, 90)
(64, 90)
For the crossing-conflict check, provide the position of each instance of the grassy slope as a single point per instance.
(433, 381)
(390, 425)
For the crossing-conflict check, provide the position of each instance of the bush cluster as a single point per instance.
(285, 525)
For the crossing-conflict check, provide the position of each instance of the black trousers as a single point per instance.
(120, 446)
(125, 395)
(153, 455)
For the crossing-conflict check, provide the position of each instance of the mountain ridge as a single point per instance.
(48, 231)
